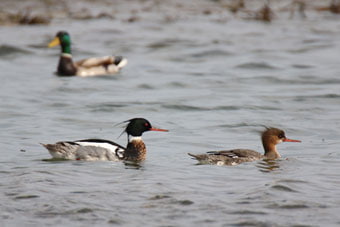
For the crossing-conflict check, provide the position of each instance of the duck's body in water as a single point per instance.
(105, 150)
(96, 66)
(270, 138)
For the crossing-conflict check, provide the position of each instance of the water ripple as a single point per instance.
(183, 107)
(243, 212)
(295, 205)
(256, 65)
(169, 43)
(26, 197)
(6, 50)
(201, 108)
(283, 188)
(211, 53)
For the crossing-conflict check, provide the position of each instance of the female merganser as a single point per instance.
(99, 149)
(270, 137)
(87, 67)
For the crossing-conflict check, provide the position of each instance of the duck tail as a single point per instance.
(120, 61)
(193, 155)
(44, 145)
(49, 147)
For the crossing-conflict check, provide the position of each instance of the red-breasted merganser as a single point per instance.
(99, 149)
(270, 138)
(95, 66)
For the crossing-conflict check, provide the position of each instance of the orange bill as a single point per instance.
(158, 129)
(290, 140)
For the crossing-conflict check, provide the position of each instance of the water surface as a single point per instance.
(213, 83)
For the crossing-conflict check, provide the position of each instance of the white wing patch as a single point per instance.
(99, 151)
(107, 146)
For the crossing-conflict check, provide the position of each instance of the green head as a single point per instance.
(63, 39)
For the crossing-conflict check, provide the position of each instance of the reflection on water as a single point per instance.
(6, 50)
(55, 160)
(268, 165)
(133, 165)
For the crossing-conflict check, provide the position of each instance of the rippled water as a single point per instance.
(214, 84)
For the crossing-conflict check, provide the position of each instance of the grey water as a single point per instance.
(214, 84)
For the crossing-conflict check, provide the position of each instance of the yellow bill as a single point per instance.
(54, 42)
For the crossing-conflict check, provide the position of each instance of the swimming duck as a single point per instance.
(270, 138)
(87, 67)
(105, 150)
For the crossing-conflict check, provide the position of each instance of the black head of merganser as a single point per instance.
(136, 150)
(137, 126)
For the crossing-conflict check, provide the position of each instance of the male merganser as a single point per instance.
(270, 137)
(97, 66)
(99, 149)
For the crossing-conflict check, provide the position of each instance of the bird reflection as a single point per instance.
(268, 165)
(133, 165)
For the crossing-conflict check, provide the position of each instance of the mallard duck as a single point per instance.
(97, 66)
(270, 138)
(106, 150)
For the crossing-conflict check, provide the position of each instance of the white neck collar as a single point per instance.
(66, 55)
(135, 138)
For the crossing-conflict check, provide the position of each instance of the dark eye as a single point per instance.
(281, 136)
(146, 125)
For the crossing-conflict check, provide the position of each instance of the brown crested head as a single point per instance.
(270, 138)
(273, 136)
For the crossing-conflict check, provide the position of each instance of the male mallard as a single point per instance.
(88, 67)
